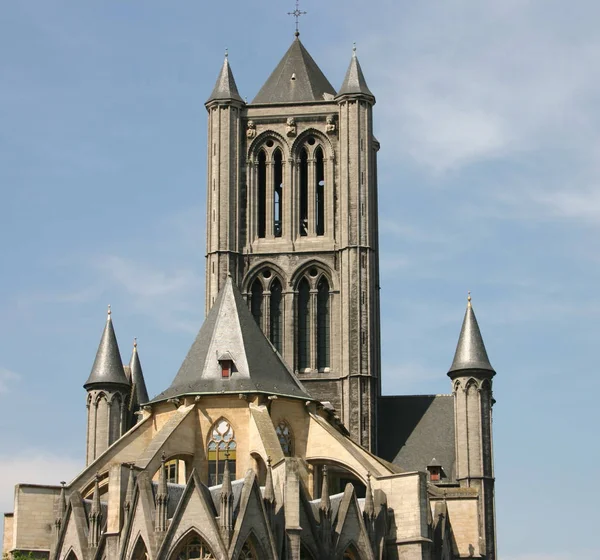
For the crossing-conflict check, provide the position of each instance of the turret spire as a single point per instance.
(138, 384)
(225, 89)
(108, 367)
(470, 350)
(354, 82)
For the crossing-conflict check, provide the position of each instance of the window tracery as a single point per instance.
(193, 547)
(312, 212)
(248, 552)
(221, 447)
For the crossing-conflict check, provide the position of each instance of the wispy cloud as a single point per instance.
(7, 378)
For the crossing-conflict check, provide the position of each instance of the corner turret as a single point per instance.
(108, 392)
(471, 374)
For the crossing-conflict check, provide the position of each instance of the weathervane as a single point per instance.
(297, 13)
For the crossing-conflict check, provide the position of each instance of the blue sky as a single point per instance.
(489, 121)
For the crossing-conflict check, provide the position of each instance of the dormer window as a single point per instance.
(226, 363)
(435, 471)
(226, 368)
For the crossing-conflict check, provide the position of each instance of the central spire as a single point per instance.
(296, 79)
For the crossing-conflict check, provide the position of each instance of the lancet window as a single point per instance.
(266, 306)
(221, 447)
(313, 314)
(276, 315)
(269, 191)
(312, 191)
(140, 552)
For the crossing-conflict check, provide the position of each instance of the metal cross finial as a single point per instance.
(297, 13)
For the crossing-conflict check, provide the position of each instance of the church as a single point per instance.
(273, 439)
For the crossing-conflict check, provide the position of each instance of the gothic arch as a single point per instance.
(140, 550)
(251, 549)
(192, 544)
(457, 385)
(471, 384)
(351, 552)
(486, 385)
(258, 272)
(221, 446)
(71, 555)
(321, 139)
(322, 269)
(258, 143)
(99, 396)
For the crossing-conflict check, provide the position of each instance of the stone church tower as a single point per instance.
(292, 216)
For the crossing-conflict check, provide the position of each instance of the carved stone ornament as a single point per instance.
(291, 126)
(251, 130)
(330, 127)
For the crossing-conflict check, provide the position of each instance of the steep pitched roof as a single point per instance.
(354, 82)
(413, 429)
(258, 368)
(296, 78)
(108, 367)
(470, 350)
(225, 88)
(137, 377)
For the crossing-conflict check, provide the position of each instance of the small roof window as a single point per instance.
(227, 366)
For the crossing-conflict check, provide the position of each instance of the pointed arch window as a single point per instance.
(276, 315)
(262, 194)
(221, 447)
(286, 441)
(319, 191)
(256, 302)
(193, 547)
(323, 348)
(140, 552)
(248, 551)
(277, 193)
(303, 216)
(303, 325)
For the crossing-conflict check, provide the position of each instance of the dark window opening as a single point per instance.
(256, 302)
(320, 191)
(226, 367)
(262, 193)
(304, 193)
(171, 471)
(276, 315)
(323, 324)
(277, 194)
(303, 325)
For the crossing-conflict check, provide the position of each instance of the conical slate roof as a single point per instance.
(230, 329)
(137, 377)
(354, 82)
(296, 78)
(108, 367)
(225, 87)
(470, 350)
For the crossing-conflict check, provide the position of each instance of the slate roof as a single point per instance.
(108, 366)
(296, 79)
(225, 88)
(137, 378)
(414, 429)
(258, 368)
(470, 350)
(354, 82)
